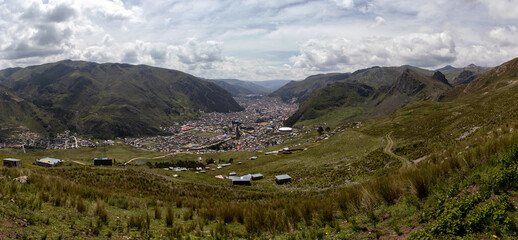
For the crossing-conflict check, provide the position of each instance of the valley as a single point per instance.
(437, 161)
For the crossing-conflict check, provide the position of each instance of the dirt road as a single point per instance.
(133, 159)
(388, 150)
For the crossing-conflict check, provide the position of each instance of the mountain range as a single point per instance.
(238, 87)
(105, 100)
(343, 101)
(371, 92)
(377, 77)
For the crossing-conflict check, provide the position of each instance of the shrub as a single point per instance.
(80, 205)
(100, 211)
(158, 213)
(169, 217)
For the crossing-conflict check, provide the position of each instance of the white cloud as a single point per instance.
(423, 50)
(193, 52)
(505, 9)
(259, 39)
(505, 36)
(319, 55)
(378, 21)
(347, 4)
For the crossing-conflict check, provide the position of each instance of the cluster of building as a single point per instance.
(248, 178)
(27, 139)
(258, 127)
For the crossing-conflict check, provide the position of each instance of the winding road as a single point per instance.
(388, 150)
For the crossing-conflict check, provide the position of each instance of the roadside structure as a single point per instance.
(12, 162)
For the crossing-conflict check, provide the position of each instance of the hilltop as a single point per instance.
(108, 100)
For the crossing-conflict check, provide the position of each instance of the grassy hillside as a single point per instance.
(15, 112)
(335, 97)
(107, 100)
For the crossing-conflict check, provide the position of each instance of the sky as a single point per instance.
(260, 39)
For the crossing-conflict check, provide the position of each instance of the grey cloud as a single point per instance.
(158, 56)
(23, 50)
(130, 56)
(32, 13)
(49, 34)
(194, 52)
(60, 13)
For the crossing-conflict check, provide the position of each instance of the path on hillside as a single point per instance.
(388, 150)
(133, 159)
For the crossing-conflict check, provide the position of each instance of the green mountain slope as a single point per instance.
(300, 91)
(499, 77)
(334, 98)
(107, 100)
(343, 102)
(15, 112)
(375, 77)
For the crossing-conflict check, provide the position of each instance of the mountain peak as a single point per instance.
(447, 67)
(409, 83)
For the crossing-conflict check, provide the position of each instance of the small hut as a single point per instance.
(243, 180)
(12, 162)
(281, 179)
(103, 161)
(257, 176)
